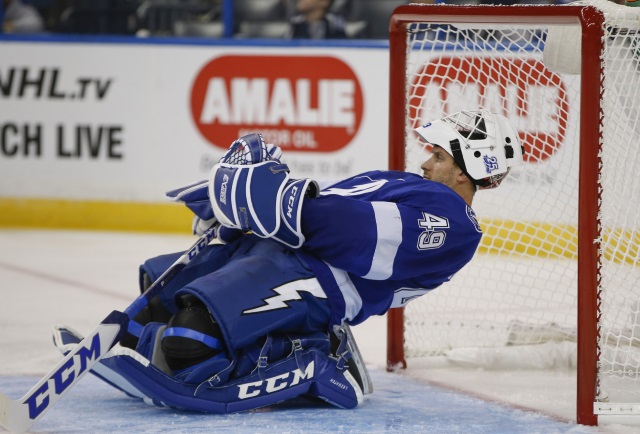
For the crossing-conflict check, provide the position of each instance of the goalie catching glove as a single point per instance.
(248, 149)
(251, 149)
(260, 199)
(196, 198)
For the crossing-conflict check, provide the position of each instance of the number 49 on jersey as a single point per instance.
(432, 237)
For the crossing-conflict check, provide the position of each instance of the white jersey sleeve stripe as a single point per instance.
(352, 300)
(389, 227)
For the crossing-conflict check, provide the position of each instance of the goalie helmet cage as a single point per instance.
(571, 210)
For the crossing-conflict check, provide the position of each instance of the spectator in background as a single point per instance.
(21, 18)
(315, 21)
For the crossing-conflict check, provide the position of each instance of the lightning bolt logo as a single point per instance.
(356, 189)
(287, 293)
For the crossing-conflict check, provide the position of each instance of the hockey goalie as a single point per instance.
(262, 314)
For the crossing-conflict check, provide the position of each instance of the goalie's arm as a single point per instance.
(345, 232)
(381, 240)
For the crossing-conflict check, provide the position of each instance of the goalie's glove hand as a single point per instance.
(196, 198)
(223, 234)
(199, 226)
(251, 149)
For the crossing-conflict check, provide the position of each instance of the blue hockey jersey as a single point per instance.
(385, 237)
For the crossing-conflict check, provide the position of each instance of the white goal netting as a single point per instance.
(521, 289)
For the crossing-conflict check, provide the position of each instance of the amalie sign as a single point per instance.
(528, 79)
(300, 103)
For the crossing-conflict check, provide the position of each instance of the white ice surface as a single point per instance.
(76, 278)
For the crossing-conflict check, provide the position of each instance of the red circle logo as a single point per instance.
(498, 79)
(300, 103)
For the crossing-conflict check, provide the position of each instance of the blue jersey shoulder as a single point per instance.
(407, 189)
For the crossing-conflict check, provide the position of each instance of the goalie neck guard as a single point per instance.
(483, 144)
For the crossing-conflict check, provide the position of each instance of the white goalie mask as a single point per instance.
(483, 144)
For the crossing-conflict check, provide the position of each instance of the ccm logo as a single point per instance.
(300, 103)
(223, 189)
(292, 200)
(62, 378)
(273, 384)
(201, 244)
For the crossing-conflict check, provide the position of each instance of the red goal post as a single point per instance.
(422, 82)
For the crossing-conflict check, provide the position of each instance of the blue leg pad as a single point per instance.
(307, 368)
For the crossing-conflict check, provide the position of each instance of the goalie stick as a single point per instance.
(18, 415)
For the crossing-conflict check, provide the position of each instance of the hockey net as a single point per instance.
(557, 272)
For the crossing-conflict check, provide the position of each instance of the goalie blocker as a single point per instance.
(260, 199)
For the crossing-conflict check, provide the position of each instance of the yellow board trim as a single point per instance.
(527, 239)
(545, 240)
(537, 239)
(94, 215)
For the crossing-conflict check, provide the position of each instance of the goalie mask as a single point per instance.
(483, 144)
